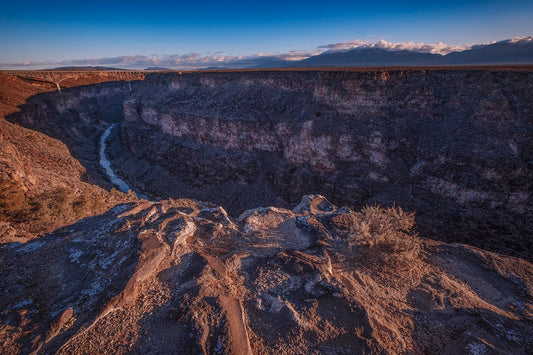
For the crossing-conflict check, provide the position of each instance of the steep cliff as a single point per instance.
(42, 185)
(453, 145)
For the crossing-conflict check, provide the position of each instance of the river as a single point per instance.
(106, 164)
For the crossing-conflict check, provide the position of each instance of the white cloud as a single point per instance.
(435, 48)
(522, 39)
(175, 61)
(219, 59)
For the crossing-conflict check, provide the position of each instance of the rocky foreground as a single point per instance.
(180, 276)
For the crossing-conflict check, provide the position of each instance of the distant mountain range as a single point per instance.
(87, 68)
(157, 68)
(505, 52)
(518, 50)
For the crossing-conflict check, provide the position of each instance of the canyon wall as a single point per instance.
(42, 186)
(453, 145)
(78, 117)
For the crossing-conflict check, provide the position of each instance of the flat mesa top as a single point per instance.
(506, 67)
(517, 67)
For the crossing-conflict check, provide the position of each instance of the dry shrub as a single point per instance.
(130, 195)
(62, 205)
(14, 206)
(44, 212)
(88, 204)
(385, 233)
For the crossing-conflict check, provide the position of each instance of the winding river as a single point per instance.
(106, 164)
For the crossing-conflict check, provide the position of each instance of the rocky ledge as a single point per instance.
(180, 276)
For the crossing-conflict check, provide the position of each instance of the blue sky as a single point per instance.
(54, 31)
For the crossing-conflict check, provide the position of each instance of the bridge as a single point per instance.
(57, 76)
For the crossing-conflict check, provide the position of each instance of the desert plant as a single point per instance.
(14, 205)
(88, 204)
(130, 195)
(385, 233)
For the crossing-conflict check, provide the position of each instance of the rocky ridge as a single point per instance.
(182, 276)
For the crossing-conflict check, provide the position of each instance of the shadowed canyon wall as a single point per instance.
(453, 145)
(78, 117)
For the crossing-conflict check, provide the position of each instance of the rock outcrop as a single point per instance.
(180, 276)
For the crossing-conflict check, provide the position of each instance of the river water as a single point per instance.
(106, 164)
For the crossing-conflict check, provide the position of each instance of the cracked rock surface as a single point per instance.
(182, 276)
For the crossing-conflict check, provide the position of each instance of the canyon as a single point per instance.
(233, 240)
(452, 145)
